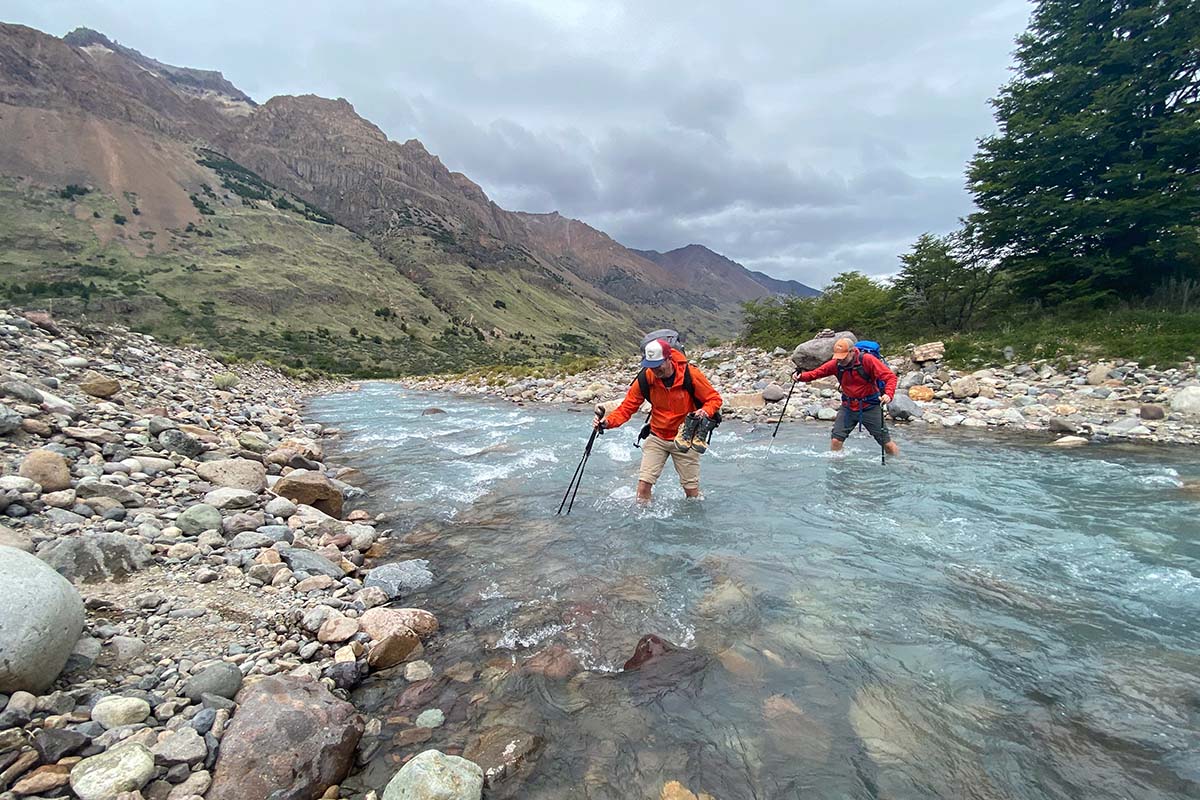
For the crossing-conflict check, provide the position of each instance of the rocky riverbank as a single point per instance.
(187, 602)
(1075, 400)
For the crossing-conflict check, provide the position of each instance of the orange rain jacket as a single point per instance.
(668, 404)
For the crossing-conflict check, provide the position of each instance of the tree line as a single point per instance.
(1087, 195)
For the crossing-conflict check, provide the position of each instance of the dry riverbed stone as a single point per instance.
(47, 468)
(41, 617)
(125, 768)
(290, 738)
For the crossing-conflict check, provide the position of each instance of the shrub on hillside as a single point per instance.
(225, 380)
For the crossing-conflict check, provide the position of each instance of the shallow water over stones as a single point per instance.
(983, 618)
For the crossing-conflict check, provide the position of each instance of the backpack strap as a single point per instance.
(644, 384)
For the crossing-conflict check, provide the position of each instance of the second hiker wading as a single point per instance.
(863, 397)
(665, 369)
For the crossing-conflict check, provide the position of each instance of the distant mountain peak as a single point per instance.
(195, 81)
(698, 268)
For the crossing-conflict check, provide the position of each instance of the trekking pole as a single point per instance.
(784, 409)
(577, 478)
(883, 447)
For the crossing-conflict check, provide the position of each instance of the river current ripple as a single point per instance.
(979, 618)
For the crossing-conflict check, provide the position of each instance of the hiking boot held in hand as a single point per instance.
(687, 432)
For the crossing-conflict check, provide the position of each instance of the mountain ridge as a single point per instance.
(521, 284)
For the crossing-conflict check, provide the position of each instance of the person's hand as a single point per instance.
(795, 376)
(885, 399)
(598, 424)
(701, 413)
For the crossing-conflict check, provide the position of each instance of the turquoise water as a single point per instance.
(980, 618)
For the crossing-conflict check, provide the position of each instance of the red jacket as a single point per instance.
(668, 405)
(854, 388)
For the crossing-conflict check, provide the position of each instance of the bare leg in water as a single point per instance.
(892, 448)
(644, 492)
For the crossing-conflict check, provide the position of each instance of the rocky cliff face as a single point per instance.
(202, 82)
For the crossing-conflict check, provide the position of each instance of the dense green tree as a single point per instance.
(1091, 188)
(946, 281)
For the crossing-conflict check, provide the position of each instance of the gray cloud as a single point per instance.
(803, 139)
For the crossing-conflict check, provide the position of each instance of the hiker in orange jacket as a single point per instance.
(677, 389)
(859, 375)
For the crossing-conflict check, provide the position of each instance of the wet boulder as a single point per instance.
(904, 409)
(433, 775)
(41, 617)
(401, 577)
(289, 740)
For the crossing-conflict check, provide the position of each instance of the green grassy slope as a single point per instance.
(249, 280)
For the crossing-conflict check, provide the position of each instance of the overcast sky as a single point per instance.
(802, 138)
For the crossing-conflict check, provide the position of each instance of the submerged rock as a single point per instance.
(502, 751)
(401, 577)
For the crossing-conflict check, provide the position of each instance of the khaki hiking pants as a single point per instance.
(654, 457)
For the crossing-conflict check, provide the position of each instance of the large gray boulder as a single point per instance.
(432, 775)
(903, 409)
(41, 617)
(815, 352)
(96, 556)
(1186, 401)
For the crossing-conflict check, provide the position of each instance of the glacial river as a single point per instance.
(982, 617)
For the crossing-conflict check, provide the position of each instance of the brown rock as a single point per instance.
(1152, 412)
(18, 539)
(234, 473)
(930, 351)
(290, 740)
(47, 468)
(675, 790)
(44, 779)
(393, 648)
(314, 584)
(501, 751)
(379, 622)
(412, 736)
(43, 320)
(311, 489)
(337, 628)
(36, 427)
(99, 385)
(922, 393)
(554, 662)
